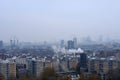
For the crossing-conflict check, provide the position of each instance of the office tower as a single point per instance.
(75, 42)
(11, 44)
(87, 40)
(83, 62)
(8, 70)
(1, 44)
(14, 43)
(17, 42)
(62, 42)
(71, 44)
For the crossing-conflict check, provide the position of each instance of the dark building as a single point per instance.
(83, 62)
(32, 67)
(71, 44)
(3, 56)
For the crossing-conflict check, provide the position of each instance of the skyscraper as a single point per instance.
(62, 43)
(83, 61)
(1, 44)
(75, 42)
(71, 44)
(14, 43)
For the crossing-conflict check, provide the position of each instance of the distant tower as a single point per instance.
(100, 39)
(62, 43)
(75, 42)
(88, 40)
(17, 42)
(71, 44)
(1, 44)
(13, 43)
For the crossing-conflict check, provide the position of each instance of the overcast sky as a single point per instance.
(39, 20)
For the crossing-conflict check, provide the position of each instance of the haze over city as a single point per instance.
(59, 39)
(49, 20)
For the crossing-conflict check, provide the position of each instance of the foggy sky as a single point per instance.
(39, 20)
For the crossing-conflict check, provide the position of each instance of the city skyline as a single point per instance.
(39, 20)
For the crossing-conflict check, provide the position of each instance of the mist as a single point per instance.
(51, 20)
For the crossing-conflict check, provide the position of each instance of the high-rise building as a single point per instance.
(75, 42)
(1, 44)
(14, 43)
(56, 64)
(102, 65)
(65, 64)
(35, 67)
(71, 44)
(83, 61)
(62, 42)
(8, 70)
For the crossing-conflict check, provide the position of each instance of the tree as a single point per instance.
(1, 77)
(114, 74)
(95, 77)
(49, 74)
(82, 77)
(89, 77)
(78, 68)
(25, 76)
(65, 78)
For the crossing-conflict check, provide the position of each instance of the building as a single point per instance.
(62, 43)
(83, 62)
(21, 61)
(102, 65)
(93, 65)
(71, 44)
(73, 63)
(75, 42)
(35, 67)
(48, 63)
(64, 65)
(56, 64)
(1, 44)
(8, 69)
(14, 43)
